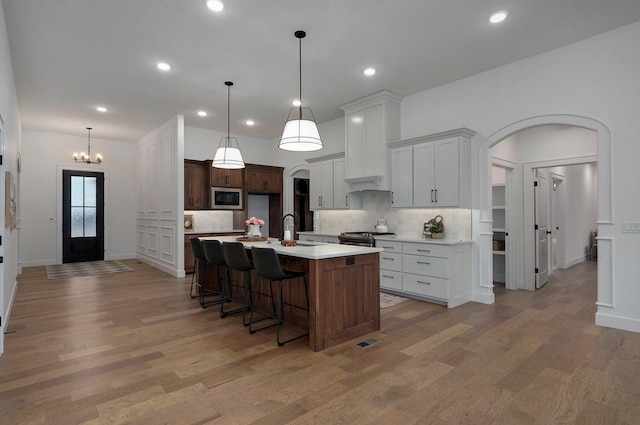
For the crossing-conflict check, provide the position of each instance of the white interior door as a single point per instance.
(541, 194)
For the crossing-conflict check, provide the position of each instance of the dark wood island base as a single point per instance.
(344, 296)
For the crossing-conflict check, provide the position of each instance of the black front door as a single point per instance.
(82, 216)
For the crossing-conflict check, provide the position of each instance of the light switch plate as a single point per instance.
(631, 227)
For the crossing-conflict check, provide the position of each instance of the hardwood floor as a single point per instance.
(134, 348)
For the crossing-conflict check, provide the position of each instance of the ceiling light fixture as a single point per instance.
(202, 113)
(369, 72)
(163, 66)
(101, 109)
(228, 154)
(215, 5)
(498, 17)
(86, 157)
(300, 132)
(250, 122)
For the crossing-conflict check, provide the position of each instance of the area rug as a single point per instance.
(87, 268)
(388, 300)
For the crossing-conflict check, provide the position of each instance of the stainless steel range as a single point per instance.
(361, 238)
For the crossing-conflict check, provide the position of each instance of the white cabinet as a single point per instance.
(432, 272)
(321, 185)
(432, 171)
(402, 177)
(328, 189)
(370, 123)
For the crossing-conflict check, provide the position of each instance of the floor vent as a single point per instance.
(365, 344)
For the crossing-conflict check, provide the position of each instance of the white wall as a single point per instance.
(12, 142)
(595, 79)
(159, 195)
(580, 208)
(43, 155)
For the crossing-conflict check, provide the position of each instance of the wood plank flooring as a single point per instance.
(133, 348)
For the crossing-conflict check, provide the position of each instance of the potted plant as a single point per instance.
(254, 224)
(437, 227)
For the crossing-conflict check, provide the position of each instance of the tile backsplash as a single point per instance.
(405, 222)
(211, 221)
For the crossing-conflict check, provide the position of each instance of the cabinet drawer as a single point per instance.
(390, 279)
(389, 246)
(391, 261)
(433, 250)
(427, 266)
(426, 285)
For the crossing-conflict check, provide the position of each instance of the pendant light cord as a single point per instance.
(228, 84)
(300, 69)
(89, 143)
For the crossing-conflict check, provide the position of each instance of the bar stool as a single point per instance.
(235, 255)
(198, 259)
(214, 256)
(267, 265)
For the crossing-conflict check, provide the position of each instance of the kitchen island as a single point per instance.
(344, 288)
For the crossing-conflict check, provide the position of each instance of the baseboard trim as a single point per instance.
(617, 322)
(158, 265)
(483, 298)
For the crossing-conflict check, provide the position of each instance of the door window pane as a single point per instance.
(77, 191)
(90, 191)
(77, 222)
(89, 222)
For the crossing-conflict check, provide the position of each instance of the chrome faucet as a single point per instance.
(294, 225)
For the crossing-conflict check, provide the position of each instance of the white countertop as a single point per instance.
(399, 238)
(310, 250)
(405, 238)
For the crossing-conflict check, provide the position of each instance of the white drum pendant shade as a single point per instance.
(227, 156)
(300, 135)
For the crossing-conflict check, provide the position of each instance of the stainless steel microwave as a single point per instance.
(226, 198)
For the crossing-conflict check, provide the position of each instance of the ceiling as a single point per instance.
(69, 56)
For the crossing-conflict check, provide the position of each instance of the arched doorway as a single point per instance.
(483, 287)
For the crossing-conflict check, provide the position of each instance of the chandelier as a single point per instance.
(86, 157)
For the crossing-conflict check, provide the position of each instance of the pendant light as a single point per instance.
(300, 132)
(86, 157)
(228, 154)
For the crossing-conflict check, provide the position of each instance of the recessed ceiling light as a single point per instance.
(215, 5)
(101, 109)
(250, 122)
(163, 66)
(498, 17)
(296, 103)
(202, 113)
(369, 72)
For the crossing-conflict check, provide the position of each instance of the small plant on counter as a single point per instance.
(437, 226)
(254, 220)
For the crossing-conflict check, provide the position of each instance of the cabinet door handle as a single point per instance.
(436, 195)
(392, 197)
(346, 200)
(424, 283)
(423, 262)
(388, 247)
(424, 250)
(388, 258)
(388, 277)
(431, 195)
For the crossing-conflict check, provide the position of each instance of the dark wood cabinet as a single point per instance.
(267, 180)
(196, 185)
(221, 177)
(263, 179)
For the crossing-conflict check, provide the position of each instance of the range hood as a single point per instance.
(366, 183)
